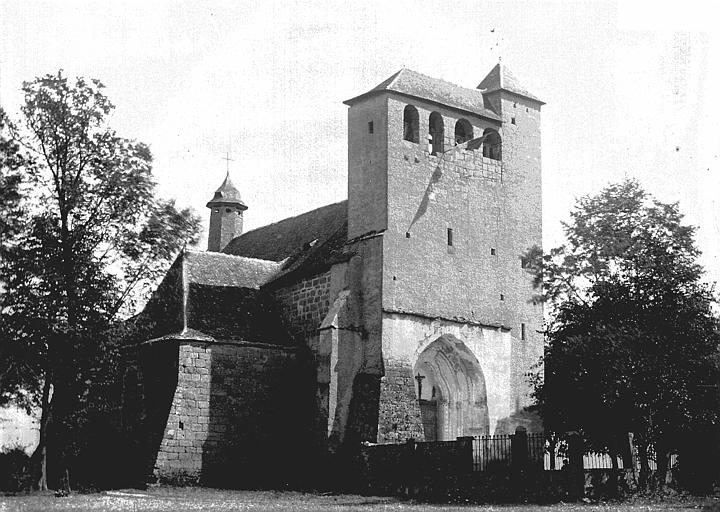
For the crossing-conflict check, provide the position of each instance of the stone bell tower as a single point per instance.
(226, 215)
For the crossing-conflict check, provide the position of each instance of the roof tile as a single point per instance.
(501, 78)
(286, 238)
(218, 269)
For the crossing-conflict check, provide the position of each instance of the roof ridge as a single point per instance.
(226, 255)
(415, 84)
(395, 77)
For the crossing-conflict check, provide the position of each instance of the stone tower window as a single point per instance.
(437, 133)
(411, 124)
(463, 131)
(492, 146)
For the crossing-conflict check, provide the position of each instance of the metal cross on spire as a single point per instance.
(227, 162)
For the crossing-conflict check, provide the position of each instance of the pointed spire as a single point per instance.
(227, 195)
(226, 215)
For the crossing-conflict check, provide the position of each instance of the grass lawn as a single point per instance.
(188, 498)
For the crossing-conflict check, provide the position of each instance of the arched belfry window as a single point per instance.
(492, 145)
(411, 124)
(463, 131)
(437, 133)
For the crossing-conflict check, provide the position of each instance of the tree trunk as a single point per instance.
(644, 465)
(41, 450)
(632, 460)
(661, 457)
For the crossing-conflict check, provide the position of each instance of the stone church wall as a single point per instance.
(305, 304)
(399, 418)
(492, 207)
(404, 339)
(428, 194)
(224, 416)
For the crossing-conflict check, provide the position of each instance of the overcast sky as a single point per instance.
(632, 89)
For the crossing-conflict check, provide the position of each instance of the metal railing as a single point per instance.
(496, 451)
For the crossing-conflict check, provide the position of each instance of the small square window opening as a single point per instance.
(493, 252)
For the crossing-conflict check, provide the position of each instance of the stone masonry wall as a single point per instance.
(305, 304)
(428, 194)
(230, 413)
(399, 418)
(405, 338)
(493, 208)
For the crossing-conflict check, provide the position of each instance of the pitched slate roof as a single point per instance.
(416, 85)
(501, 78)
(215, 296)
(218, 269)
(286, 238)
(302, 245)
(235, 313)
(227, 194)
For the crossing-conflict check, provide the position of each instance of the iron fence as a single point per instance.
(500, 452)
(496, 451)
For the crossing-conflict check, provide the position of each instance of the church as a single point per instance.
(403, 312)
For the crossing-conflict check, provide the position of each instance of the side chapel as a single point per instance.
(402, 312)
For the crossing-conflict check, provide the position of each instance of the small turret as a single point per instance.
(226, 215)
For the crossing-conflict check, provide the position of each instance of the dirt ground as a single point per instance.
(196, 499)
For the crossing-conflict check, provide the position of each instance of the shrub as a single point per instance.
(15, 472)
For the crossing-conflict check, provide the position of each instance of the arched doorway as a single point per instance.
(450, 387)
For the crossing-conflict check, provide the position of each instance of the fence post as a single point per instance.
(576, 470)
(467, 458)
(519, 460)
(519, 449)
(410, 468)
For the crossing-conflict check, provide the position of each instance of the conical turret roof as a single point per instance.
(227, 195)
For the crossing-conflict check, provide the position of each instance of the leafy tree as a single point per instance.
(16, 378)
(94, 239)
(632, 341)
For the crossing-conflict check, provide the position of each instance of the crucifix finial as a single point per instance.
(419, 378)
(227, 162)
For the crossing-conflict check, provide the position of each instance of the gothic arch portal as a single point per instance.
(451, 389)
